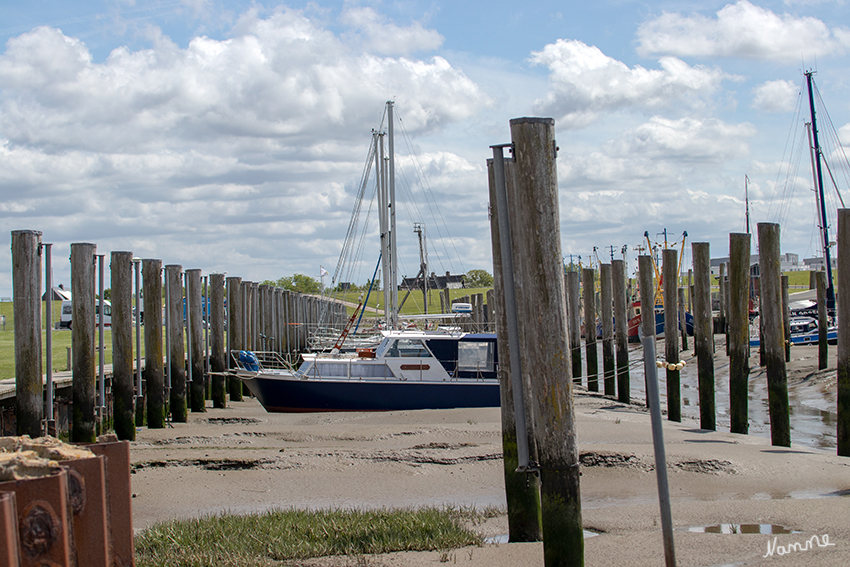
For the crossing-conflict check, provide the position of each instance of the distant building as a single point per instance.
(450, 281)
(59, 294)
(789, 262)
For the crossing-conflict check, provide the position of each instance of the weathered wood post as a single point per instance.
(255, 316)
(140, 388)
(574, 303)
(843, 371)
(235, 332)
(621, 331)
(683, 323)
(703, 334)
(606, 298)
(175, 307)
(154, 378)
(823, 321)
(522, 490)
(738, 331)
(774, 335)
(786, 318)
(721, 292)
(195, 344)
(670, 271)
(589, 293)
(84, 426)
(123, 388)
(544, 347)
(217, 346)
(26, 276)
(690, 290)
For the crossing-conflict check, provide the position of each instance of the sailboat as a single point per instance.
(410, 368)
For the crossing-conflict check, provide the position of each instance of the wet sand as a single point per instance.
(242, 459)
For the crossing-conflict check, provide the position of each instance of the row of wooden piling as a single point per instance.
(257, 317)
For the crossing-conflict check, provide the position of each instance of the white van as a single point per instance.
(65, 316)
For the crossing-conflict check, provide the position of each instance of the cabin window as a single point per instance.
(66, 310)
(408, 348)
(476, 356)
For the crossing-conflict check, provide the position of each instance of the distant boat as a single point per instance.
(636, 318)
(804, 331)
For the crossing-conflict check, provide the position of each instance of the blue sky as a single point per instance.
(231, 136)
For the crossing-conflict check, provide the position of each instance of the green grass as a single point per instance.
(279, 536)
(414, 303)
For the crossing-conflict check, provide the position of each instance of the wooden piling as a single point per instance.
(26, 283)
(703, 334)
(153, 375)
(721, 292)
(217, 346)
(774, 335)
(235, 332)
(543, 338)
(823, 321)
(522, 489)
(607, 314)
(683, 324)
(175, 307)
(574, 304)
(195, 342)
(588, 285)
(621, 329)
(843, 305)
(786, 318)
(123, 386)
(670, 271)
(738, 331)
(84, 425)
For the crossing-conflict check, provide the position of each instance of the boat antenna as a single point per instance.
(830, 290)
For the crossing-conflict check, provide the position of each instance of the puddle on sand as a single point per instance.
(741, 529)
(504, 538)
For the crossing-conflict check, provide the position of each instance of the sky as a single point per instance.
(232, 136)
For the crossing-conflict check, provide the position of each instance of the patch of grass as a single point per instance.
(270, 538)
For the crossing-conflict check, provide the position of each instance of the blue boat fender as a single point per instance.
(249, 360)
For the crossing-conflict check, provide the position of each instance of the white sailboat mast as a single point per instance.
(392, 282)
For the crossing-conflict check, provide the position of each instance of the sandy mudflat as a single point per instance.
(243, 459)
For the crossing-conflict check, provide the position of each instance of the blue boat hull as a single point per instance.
(298, 395)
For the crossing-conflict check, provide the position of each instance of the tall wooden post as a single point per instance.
(522, 490)
(140, 389)
(154, 378)
(774, 336)
(670, 271)
(544, 348)
(843, 371)
(786, 318)
(738, 331)
(84, 426)
(217, 356)
(176, 309)
(621, 331)
(574, 302)
(703, 334)
(823, 321)
(683, 323)
(690, 290)
(195, 342)
(721, 291)
(588, 284)
(607, 313)
(235, 332)
(123, 387)
(26, 282)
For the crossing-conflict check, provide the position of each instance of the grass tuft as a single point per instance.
(270, 538)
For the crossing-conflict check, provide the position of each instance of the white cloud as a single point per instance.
(585, 82)
(776, 96)
(379, 35)
(741, 30)
(248, 148)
